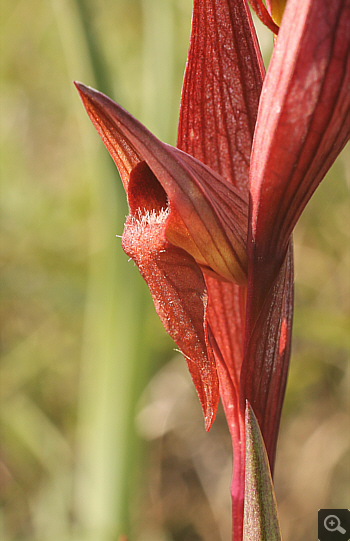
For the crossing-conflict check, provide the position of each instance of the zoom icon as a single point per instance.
(334, 525)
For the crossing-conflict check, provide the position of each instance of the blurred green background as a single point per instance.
(101, 430)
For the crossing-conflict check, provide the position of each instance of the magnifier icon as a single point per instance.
(332, 524)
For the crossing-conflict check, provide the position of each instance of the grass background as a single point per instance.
(102, 432)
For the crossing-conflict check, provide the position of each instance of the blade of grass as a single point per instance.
(113, 370)
(158, 66)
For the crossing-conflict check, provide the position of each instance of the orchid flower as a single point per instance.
(210, 221)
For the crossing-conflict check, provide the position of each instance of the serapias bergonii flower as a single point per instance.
(185, 220)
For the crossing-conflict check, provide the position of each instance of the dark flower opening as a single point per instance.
(145, 191)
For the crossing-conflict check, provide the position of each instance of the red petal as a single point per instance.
(226, 316)
(303, 123)
(265, 364)
(231, 212)
(219, 106)
(303, 120)
(179, 295)
(221, 88)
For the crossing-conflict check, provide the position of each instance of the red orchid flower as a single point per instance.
(220, 270)
(185, 220)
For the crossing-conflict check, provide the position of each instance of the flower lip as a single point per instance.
(179, 294)
(145, 191)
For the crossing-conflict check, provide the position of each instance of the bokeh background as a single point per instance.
(101, 429)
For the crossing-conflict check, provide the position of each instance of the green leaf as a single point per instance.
(260, 521)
